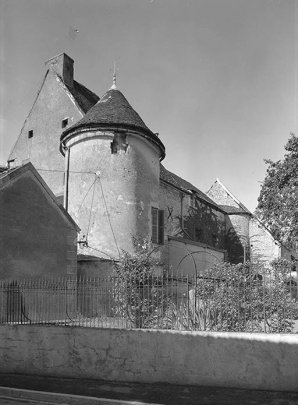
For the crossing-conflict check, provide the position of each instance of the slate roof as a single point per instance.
(111, 109)
(114, 110)
(84, 97)
(184, 185)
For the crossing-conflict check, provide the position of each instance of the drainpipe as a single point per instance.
(66, 177)
(182, 220)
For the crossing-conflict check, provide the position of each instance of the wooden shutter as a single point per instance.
(154, 223)
(161, 227)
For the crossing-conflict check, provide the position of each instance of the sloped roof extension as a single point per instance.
(233, 210)
(83, 96)
(184, 185)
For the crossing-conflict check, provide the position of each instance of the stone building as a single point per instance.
(117, 189)
(60, 102)
(99, 158)
(247, 238)
(38, 237)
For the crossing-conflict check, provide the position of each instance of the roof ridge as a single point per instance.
(232, 196)
(186, 186)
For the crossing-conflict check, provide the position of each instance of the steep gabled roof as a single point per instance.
(83, 96)
(242, 208)
(184, 185)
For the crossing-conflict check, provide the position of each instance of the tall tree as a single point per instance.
(278, 200)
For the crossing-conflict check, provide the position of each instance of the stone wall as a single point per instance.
(263, 246)
(53, 104)
(111, 193)
(241, 360)
(191, 218)
(191, 258)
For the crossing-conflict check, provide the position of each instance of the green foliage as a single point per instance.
(277, 203)
(239, 298)
(227, 297)
(138, 291)
(203, 219)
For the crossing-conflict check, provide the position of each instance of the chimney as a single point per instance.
(63, 66)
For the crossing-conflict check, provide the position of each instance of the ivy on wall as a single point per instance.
(201, 224)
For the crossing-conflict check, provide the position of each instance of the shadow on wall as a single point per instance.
(214, 359)
(234, 246)
(203, 225)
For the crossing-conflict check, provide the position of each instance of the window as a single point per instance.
(157, 223)
(11, 163)
(64, 123)
(214, 239)
(30, 133)
(199, 235)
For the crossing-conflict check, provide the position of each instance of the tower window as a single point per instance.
(64, 123)
(30, 133)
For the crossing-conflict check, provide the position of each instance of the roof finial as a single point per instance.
(114, 77)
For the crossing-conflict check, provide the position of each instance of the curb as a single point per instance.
(63, 399)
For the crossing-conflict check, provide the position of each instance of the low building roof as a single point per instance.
(11, 174)
(229, 209)
(184, 185)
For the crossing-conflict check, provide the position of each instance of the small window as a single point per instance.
(157, 223)
(214, 240)
(11, 163)
(30, 133)
(199, 235)
(64, 123)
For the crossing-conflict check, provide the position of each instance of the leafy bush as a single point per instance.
(138, 290)
(240, 298)
(227, 297)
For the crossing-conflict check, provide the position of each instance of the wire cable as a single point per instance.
(63, 171)
(108, 215)
(91, 207)
(87, 193)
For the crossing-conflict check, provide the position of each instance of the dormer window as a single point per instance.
(64, 123)
(11, 163)
(30, 133)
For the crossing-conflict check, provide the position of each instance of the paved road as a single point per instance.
(85, 392)
(10, 401)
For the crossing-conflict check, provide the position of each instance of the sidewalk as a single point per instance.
(92, 392)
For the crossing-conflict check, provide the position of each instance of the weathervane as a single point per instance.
(114, 77)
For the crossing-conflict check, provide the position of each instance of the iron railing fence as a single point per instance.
(206, 302)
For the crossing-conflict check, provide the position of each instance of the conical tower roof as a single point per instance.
(113, 110)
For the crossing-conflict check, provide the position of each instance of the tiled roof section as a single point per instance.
(112, 109)
(84, 97)
(233, 210)
(184, 185)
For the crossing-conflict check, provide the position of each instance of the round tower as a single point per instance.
(112, 175)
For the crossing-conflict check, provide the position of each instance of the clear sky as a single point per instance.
(216, 78)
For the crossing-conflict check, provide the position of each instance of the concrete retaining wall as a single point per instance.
(241, 360)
